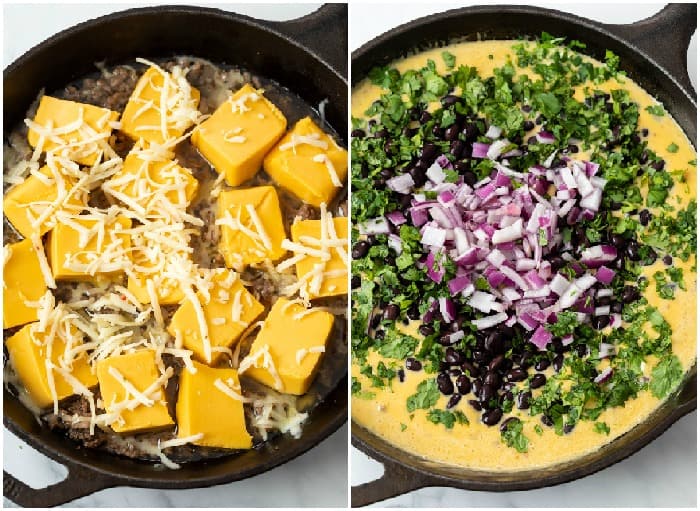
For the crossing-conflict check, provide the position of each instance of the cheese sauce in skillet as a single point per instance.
(163, 224)
(524, 275)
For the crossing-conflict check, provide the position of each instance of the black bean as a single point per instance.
(456, 148)
(539, 119)
(386, 173)
(463, 384)
(492, 379)
(379, 334)
(360, 249)
(668, 260)
(480, 357)
(445, 340)
(391, 312)
(418, 175)
(452, 357)
(413, 312)
(450, 99)
(645, 132)
(470, 178)
(532, 140)
(376, 319)
(528, 125)
(425, 116)
(600, 322)
(603, 300)
(496, 363)
(526, 360)
(558, 363)
(429, 152)
(506, 396)
(568, 428)
(491, 418)
(522, 401)
(573, 148)
(509, 385)
(438, 132)
(470, 368)
(616, 307)
(547, 420)
(526, 108)
(582, 350)
(454, 399)
(426, 330)
(454, 372)
(537, 381)
(510, 420)
(659, 165)
(618, 241)
(632, 250)
(382, 133)
(445, 384)
(402, 375)
(645, 217)
(413, 365)
(443, 366)
(517, 374)
(475, 404)
(494, 343)
(542, 364)
(470, 132)
(476, 386)
(357, 133)
(355, 282)
(452, 132)
(630, 294)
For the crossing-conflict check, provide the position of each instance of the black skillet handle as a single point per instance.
(79, 483)
(324, 32)
(396, 480)
(665, 37)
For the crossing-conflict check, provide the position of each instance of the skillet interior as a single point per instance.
(513, 22)
(158, 33)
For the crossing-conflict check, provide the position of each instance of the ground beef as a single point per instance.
(111, 90)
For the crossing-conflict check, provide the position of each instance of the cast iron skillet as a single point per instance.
(653, 52)
(309, 56)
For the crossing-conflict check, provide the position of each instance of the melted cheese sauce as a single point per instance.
(476, 445)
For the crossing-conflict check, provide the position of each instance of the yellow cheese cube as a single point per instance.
(139, 370)
(145, 185)
(242, 241)
(229, 311)
(103, 250)
(308, 163)
(28, 354)
(239, 133)
(202, 407)
(30, 200)
(82, 144)
(332, 275)
(23, 281)
(142, 115)
(295, 341)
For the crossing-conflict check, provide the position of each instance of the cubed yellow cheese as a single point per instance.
(142, 115)
(103, 250)
(308, 163)
(82, 144)
(229, 311)
(23, 282)
(28, 201)
(241, 241)
(334, 280)
(145, 185)
(140, 370)
(239, 133)
(28, 355)
(202, 407)
(169, 291)
(294, 340)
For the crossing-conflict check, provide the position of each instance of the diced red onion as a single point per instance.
(396, 217)
(541, 338)
(490, 321)
(480, 150)
(448, 309)
(605, 275)
(545, 137)
(433, 236)
(496, 149)
(435, 275)
(604, 375)
(493, 132)
(458, 284)
(394, 242)
(435, 173)
(401, 184)
(374, 226)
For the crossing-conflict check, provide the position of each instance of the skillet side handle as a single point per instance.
(665, 37)
(324, 32)
(396, 480)
(79, 483)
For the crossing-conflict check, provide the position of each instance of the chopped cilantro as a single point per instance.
(447, 418)
(427, 394)
(672, 148)
(666, 376)
(602, 428)
(657, 110)
(513, 436)
(449, 59)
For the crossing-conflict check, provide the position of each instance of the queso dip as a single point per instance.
(433, 326)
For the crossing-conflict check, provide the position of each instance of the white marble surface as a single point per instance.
(663, 474)
(315, 479)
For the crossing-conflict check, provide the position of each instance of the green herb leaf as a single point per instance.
(666, 376)
(513, 436)
(427, 394)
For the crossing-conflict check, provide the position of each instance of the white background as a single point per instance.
(663, 474)
(318, 478)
